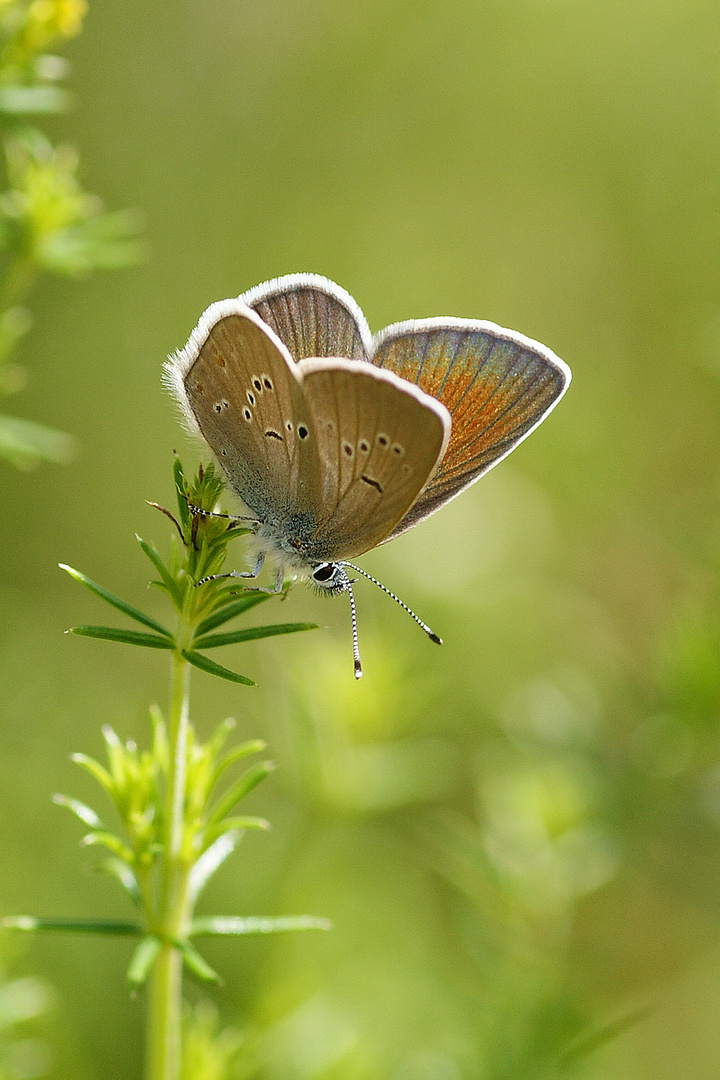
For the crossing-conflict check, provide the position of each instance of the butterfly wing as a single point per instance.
(378, 441)
(497, 386)
(312, 316)
(241, 390)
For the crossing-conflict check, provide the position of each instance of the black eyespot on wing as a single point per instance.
(270, 434)
(302, 431)
(372, 483)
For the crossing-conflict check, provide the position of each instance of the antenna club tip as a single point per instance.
(435, 638)
(358, 670)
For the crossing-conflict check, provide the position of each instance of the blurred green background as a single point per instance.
(516, 836)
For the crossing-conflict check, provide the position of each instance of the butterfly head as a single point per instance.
(329, 577)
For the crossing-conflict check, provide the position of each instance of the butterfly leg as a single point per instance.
(237, 573)
(278, 587)
(279, 581)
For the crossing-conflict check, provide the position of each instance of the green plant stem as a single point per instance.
(165, 991)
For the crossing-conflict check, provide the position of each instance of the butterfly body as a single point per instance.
(338, 441)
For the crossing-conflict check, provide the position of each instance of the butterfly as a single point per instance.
(337, 440)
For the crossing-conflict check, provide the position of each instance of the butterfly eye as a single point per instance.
(329, 577)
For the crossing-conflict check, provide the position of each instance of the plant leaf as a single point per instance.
(241, 824)
(202, 662)
(123, 873)
(167, 579)
(71, 926)
(212, 858)
(126, 637)
(251, 633)
(593, 1039)
(230, 609)
(237, 791)
(230, 925)
(116, 602)
(109, 840)
(96, 770)
(85, 813)
(252, 746)
(197, 963)
(142, 960)
(180, 485)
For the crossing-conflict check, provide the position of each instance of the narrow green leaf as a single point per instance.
(71, 926)
(219, 737)
(96, 770)
(167, 579)
(109, 840)
(142, 960)
(239, 824)
(117, 757)
(126, 637)
(85, 813)
(116, 602)
(230, 609)
(202, 662)
(251, 633)
(212, 858)
(122, 873)
(252, 746)
(197, 963)
(237, 791)
(230, 925)
(593, 1039)
(180, 486)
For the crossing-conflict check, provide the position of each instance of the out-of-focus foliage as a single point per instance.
(517, 836)
(24, 1055)
(47, 222)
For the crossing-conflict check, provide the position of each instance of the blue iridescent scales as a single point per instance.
(496, 384)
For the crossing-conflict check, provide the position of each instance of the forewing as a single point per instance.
(379, 440)
(312, 316)
(497, 386)
(243, 392)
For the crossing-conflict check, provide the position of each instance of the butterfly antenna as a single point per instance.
(347, 586)
(423, 626)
